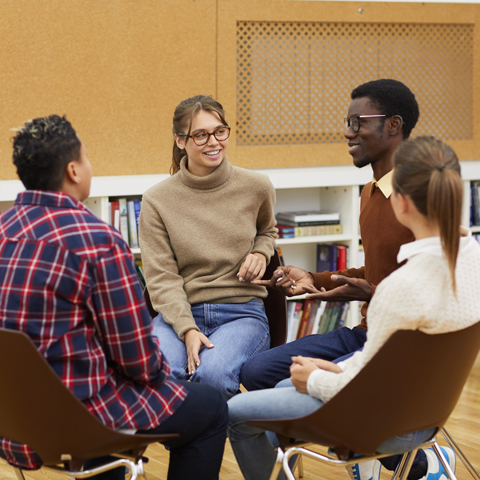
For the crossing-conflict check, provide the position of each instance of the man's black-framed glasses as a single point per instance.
(201, 138)
(354, 121)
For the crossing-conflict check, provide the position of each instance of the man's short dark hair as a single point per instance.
(391, 97)
(42, 149)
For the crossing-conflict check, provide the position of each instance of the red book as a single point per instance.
(115, 214)
(341, 257)
(307, 311)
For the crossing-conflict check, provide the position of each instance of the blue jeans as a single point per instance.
(270, 367)
(254, 449)
(238, 331)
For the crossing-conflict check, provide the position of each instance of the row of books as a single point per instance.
(475, 203)
(311, 316)
(306, 223)
(331, 257)
(124, 215)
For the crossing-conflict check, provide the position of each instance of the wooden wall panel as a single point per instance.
(116, 68)
(420, 16)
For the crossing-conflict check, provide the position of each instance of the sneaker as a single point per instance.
(435, 468)
(365, 471)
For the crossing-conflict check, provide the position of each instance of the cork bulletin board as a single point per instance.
(283, 70)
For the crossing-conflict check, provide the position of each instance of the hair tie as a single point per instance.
(440, 167)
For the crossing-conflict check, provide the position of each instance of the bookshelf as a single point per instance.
(304, 188)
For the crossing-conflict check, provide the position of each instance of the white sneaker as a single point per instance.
(435, 468)
(365, 470)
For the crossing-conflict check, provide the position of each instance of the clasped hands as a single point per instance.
(302, 367)
(297, 281)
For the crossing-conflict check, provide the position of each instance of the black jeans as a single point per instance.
(201, 421)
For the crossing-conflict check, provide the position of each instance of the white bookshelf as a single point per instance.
(307, 188)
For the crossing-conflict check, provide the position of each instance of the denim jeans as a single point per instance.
(254, 449)
(238, 331)
(270, 367)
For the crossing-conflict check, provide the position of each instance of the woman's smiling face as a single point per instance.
(203, 160)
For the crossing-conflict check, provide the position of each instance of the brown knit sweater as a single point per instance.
(195, 232)
(382, 236)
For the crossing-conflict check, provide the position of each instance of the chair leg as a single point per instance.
(299, 462)
(460, 454)
(18, 473)
(403, 468)
(286, 466)
(443, 461)
(278, 464)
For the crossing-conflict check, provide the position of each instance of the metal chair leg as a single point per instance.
(443, 461)
(278, 464)
(18, 473)
(403, 469)
(299, 462)
(460, 454)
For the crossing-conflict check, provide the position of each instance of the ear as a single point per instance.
(180, 141)
(405, 203)
(395, 125)
(71, 172)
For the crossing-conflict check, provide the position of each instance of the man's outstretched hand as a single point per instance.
(348, 289)
(289, 280)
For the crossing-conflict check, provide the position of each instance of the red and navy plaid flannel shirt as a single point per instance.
(68, 280)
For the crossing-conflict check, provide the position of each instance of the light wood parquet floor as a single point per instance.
(463, 425)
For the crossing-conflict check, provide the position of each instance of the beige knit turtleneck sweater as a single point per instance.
(195, 232)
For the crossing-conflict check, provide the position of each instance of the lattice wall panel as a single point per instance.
(294, 78)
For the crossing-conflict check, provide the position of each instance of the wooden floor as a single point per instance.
(463, 425)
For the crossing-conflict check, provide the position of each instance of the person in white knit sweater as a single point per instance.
(436, 291)
(206, 232)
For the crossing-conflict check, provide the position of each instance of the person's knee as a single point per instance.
(251, 373)
(221, 378)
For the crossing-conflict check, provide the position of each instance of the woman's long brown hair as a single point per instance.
(428, 171)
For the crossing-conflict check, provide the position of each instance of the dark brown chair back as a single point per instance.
(275, 306)
(412, 383)
(37, 409)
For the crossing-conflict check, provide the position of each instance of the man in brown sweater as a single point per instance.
(381, 116)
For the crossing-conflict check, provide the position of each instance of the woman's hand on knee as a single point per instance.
(253, 267)
(194, 340)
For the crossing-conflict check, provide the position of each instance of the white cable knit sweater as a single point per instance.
(417, 296)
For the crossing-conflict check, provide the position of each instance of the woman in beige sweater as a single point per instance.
(207, 232)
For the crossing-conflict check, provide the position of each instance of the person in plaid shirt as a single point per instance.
(68, 280)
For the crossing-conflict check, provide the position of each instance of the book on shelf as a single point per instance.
(294, 314)
(331, 257)
(124, 216)
(280, 254)
(341, 257)
(308, 305)
(475, 203)
(333, 316)
(287, 231)
(318, 316)
(132, 224)
(309, 216)
(140, 274)
(124, 219)
(115, 214)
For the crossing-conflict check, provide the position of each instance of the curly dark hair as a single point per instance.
(42, 149)
(391, 97)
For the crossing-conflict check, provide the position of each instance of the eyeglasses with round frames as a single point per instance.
(354, 121)
(202, 138)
